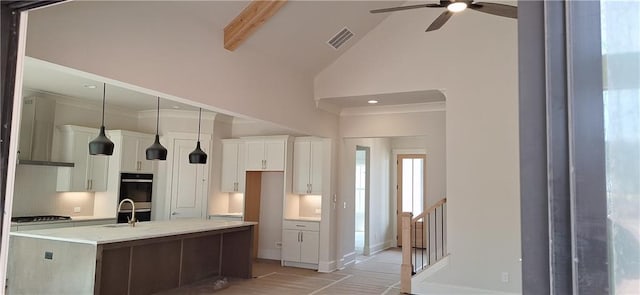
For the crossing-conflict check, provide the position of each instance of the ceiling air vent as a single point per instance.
(340, 38)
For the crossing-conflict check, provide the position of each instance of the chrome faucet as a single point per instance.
(131, 221)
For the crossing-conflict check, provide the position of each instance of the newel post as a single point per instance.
(406, 268)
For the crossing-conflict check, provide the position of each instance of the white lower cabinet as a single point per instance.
(300, 243)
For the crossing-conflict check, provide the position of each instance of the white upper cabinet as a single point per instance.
(265, 153)
(233, 171)
(307, 166)
(90, 173)
(133, 146)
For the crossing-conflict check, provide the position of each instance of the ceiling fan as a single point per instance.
(454, 6)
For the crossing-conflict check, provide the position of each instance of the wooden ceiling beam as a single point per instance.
(249, 20)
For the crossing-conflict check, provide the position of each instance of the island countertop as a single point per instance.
(113, 233)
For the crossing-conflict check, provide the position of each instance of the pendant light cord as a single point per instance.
(158, 116)
(199, 121)
(104, 94)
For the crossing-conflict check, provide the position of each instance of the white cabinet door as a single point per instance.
(254, 155)
(291, 245)
(90, 173)
(309, 243)
(301, 160)
(146, 166)
(315, 170)
(232, 178)
(99, 173)
(133, 156)
(128, 154)
(189, 182)
(274, 155)
(307, 167)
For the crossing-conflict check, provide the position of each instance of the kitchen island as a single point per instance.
(120, 259)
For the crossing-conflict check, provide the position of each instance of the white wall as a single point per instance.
(35, 194)
(473, 59)
(182, 57)
(380, 197)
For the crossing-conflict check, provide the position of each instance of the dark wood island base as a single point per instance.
(150, 258)
(153, 265)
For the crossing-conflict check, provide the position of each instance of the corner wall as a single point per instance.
(473, 60)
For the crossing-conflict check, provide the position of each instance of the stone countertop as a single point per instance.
(113, 233)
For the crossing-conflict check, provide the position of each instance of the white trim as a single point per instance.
(377, 248)
(180, 114)
(439, 106)
(327, 266)
(431, 270)
(348, 258)
(13, 147)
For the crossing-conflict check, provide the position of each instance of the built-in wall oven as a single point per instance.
(138, 187)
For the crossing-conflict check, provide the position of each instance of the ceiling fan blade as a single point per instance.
(441, 20)
(404, 8)
(496, 9)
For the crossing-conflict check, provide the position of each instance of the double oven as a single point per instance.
(138, 187)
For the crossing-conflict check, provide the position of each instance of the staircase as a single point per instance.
(426, 235)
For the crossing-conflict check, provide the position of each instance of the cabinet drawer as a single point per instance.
(301, 225)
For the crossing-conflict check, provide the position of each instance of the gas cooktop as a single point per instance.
(39, 218)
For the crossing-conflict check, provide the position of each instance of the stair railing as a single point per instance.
(426, 236)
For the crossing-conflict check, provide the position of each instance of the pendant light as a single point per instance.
(156, 151)
(198, 156)
(101, 145)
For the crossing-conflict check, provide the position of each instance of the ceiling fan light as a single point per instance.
(457, 6)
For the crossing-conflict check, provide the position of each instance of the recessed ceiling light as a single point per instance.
(176, 107)
(372, 101)
(89, 86)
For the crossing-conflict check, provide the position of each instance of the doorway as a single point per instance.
(362, 201)
(411, 186)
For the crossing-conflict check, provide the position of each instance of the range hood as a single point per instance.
(36, 133)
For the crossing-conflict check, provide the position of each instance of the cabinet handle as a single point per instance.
(88, 186)
(264, 164)
(301, 237)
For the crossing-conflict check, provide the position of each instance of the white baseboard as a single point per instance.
(347, 259)
(381, 247)
(327, 266)
(300, 265)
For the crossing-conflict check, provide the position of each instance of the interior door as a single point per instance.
(411, 187)
(189, 182)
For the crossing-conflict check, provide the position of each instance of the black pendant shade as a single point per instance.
(101, 145)
(156, 151)
(198, 156)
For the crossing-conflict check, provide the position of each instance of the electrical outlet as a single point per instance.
(48, 255)
(344, 204)
(505, 277)
(278, 245)
(318, 210)
(76, 209)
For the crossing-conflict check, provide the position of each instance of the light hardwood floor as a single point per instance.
(376, 274)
